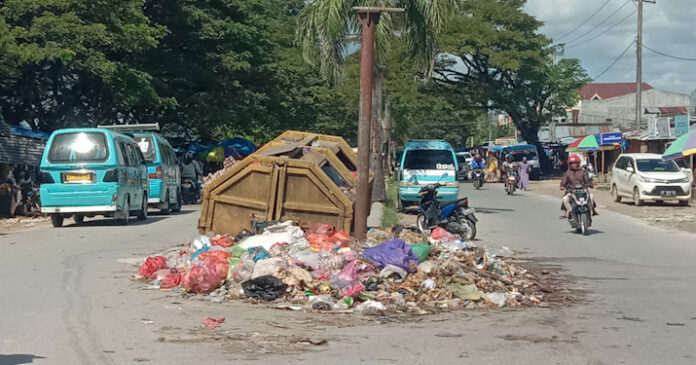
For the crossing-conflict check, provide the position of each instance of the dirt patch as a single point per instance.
(17, 224)
(669, 216)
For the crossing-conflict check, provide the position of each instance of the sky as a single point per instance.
(668, 27)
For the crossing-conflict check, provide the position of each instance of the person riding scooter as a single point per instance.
(477, 162)
(508, 165)
(191, 170)
(575, 176)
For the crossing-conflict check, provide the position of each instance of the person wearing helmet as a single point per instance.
(191, 170)
(575, 175)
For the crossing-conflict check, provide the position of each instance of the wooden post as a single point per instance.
(604, 174)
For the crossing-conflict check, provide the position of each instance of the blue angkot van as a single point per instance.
(424, 162)
(87, 172)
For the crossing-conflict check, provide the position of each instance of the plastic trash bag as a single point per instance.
(353, 291)
(340, 237)
(151, 265)
(222, 241)
(321, 228)
(395, 272)
(332, 262)
(456, 245)
(258, 253)
(237, 251)
(321, 242)
(202, 278)
(222, 255)
(421, 250)
(221, 266)
(233, 262)
(285, 232)
(370, 307)
(264, 287)
(308, 259)
(392, 252)
(428, 284)
(200, 242)
(296, 276)
(243, 271)
(170, 281)
(268, 267)
(213, 323)
(440, 234)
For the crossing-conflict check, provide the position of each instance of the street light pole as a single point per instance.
(369, 18)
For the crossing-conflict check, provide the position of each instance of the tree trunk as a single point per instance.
(387, 140)
(378, 185)
(530, 135)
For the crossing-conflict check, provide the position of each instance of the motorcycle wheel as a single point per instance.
(470, 233)
(584, 225)
(477, 184)
(421, 223)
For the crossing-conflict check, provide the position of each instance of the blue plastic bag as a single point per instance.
(258, 253)
(392, 252)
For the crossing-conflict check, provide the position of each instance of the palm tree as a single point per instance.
(327, 27)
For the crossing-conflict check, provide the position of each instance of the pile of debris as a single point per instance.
(394, 270)
(226, 166)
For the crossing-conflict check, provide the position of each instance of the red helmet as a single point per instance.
(573, 159)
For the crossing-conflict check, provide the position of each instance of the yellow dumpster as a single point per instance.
(305, 177)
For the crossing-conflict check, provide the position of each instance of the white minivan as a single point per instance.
(645, 176)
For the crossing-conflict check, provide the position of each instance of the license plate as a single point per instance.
(469, 211)
(78, 177)
(668, 192)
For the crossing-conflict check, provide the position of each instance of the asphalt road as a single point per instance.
(64, 299)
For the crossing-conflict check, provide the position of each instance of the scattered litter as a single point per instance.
(213, 323)
(394, 271)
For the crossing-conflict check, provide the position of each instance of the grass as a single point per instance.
(390, 215)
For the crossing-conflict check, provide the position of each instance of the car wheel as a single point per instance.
(177, 208)
(615, 194)
(166, 199)
(636, 197)
(142, 213)
(57, 220)
(126, 213)
(79, 219)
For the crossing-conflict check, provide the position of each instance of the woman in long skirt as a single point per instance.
(492, 176)
(523, 174)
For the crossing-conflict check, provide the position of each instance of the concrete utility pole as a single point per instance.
(369, 18)
(639, 62)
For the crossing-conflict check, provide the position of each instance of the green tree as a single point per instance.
(69, 62)
(495, 48)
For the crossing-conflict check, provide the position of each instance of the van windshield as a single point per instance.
(429, 160)
(147, 146)
(78, 147)
(657, 165)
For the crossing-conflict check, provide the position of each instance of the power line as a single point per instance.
(615, 61)
(600, 23)
(670, 56)
(605, 31)
(586, 20)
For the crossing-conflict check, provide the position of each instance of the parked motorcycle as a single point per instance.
(477, 177)
(189, 192)
(30, 205)
(511, 182)
(454, 217)
(580, 218)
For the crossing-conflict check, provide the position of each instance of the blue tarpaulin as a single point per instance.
(23, 132)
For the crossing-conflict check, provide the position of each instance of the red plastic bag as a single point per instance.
(353, 290)
(440, 234)
(151, 265)
(221, 255)
(223, 241)
(170, 281)
(340, 237)
(221, 266)
(321, 228)
(319, 242)
(213, 323)
(203, 278)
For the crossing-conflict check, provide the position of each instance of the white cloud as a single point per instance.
(668, 26)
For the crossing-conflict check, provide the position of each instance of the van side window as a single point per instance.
(132, 156)
(122, 154)
(166, 154)
(621, 163)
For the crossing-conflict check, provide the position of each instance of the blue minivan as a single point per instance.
(89, 171)
(424, 162)
(163, 171)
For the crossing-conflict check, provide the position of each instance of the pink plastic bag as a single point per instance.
(341, 238)
(203, 278)
(321, 228)
(151, 265)
(353, 290)
(441, 234)
(321, 242)
(170, 281)
(222, 241)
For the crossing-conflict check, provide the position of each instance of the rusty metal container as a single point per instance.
(305, 177)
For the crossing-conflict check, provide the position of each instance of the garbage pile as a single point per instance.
(227, 164)
(394, 270)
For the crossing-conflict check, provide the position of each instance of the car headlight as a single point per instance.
(649, 180)
(684, 180)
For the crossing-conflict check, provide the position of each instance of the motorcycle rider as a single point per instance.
(507, 166)
(191, 170)
(477, 162)
(572, 177)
